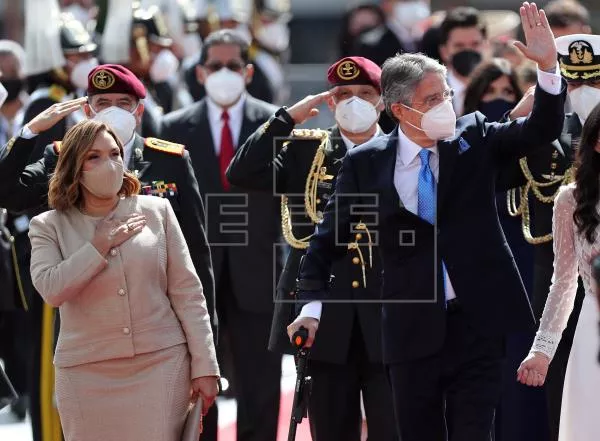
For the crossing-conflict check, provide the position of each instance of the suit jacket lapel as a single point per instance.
(137, 164)
(384, 167)
(249, 122)
(202, 150)
(448, 151)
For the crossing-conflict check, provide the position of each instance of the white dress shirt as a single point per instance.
(236, 118)
(406, 178)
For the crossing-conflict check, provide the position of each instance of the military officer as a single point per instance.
(301, 165)
(115, 97)
(540, 177)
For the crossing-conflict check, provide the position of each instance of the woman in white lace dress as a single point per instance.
(576, 242)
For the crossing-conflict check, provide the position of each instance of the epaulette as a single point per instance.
(56, 93)
(165, 146)
(310, 134)
(57, 146)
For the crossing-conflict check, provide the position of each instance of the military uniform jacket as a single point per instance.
(164, 170)
(546, 165)
(265, 156)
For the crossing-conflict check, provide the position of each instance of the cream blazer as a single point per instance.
(142, 297)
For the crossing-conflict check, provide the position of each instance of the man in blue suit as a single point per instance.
(451, 289)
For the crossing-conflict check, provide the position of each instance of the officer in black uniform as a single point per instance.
(346, 359)
(539, 178)
(164, 169)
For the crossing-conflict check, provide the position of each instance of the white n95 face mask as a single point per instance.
(583, 100)
(164, 66)
(225, 86)
(121, 121)
(408, 13)
(274, 36)
(80, 72)
(439, 122)
(355, 115)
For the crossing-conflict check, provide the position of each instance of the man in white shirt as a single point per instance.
(451, 290)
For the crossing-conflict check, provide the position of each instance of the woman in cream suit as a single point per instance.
(135, 344)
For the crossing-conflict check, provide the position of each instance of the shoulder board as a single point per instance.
(165, 146)
(56, 92)
(57, 146)
(310, 134)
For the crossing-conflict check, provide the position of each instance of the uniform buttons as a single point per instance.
(121, 292)
(126, 331)
(318, 201)
(113, 252)
(355, 260)
(355, 284)
(358, 236)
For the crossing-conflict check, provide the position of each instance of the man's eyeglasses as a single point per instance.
(436, 99)
(235, 66)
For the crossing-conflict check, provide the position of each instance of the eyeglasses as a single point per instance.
(436, 99)
(577, 83)
(235, 66)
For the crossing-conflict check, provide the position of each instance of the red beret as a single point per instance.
(113, 78)
(354, 70)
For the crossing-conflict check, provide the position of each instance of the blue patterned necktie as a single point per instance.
(426, 194)
(426, 189)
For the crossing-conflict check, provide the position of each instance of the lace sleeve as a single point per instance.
(564, 280)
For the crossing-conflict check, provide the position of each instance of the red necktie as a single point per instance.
(226, 153)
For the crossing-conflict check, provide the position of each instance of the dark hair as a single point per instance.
(587, 178)
(347, 41)
(461, 17)
(485, 74)
(225, 36)
(563, 13)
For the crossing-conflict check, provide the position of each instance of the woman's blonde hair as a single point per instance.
(65, 188)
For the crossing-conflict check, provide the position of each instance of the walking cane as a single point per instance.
(303, 383)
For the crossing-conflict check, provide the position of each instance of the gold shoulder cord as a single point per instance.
(535, 187)
(316, 174)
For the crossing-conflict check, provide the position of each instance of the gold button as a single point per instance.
(553, 166)
(318, 201)
(126, 331)
(358, 236)
(355, 284)
(355, 260)
(113, 252)
(121, 292)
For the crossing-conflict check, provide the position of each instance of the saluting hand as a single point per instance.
(540, 47)
(306, 108)
(53, 114)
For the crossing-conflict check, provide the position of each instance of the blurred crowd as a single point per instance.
(163, 43)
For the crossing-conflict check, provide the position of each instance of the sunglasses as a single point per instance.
(235, 66)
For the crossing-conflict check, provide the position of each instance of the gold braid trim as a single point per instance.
(317, 173)
(535, 187)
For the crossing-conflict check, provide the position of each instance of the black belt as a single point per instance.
(453, 306)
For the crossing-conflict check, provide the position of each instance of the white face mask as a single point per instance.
(121, 121)
(355, 115)
(80, 72)
(105, 180)
(164, 66)
(439, 122)
(583, 100)
(408, 14)
(225, 86)
(3, 94)
(274, 36)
